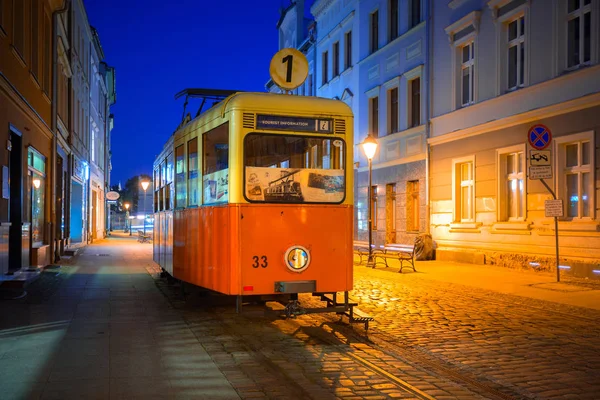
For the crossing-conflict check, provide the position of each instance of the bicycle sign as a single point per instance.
(539, 137)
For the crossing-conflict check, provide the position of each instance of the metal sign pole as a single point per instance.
(555, 231)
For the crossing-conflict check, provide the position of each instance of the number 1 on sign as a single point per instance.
(290, 61)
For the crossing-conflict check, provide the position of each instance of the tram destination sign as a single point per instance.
(298, 124)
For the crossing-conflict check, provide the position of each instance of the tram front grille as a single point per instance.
(248, 120)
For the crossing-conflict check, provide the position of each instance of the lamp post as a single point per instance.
(145, 185)
(127, 227)
(370, 147)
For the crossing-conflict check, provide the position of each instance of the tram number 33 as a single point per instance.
(259, 261)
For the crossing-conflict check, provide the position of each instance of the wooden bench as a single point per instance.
(144, 238)
(396, 251)
(362, 249)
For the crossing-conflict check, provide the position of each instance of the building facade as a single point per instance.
(45, 64)
(373, 56)
(516, 85)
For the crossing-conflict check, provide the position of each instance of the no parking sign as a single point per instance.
(539, 136)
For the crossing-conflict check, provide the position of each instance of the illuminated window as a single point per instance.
(575, 160)
(215, 179)
(37, 185)
(463, 195)
(579, 29)
(511, 184)
(192, 163)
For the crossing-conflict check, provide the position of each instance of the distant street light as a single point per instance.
(370, 147)
(145, 185)
(127, 223)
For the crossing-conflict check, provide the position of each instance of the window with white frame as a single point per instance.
(575, 175)
(467, 67)
(414, 104)
(516, 52)
(324, 74)
(393, 110)
(393, 20)
(374, 116)
(336, 59)
(511, 183)
(348, 50)
(415, 13)
(463, 196)
(579, 29)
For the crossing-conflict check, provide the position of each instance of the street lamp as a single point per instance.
(145, 185)
(370, 147)
(127, 224)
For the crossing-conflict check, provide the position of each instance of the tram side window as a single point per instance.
(156, 189)
(161, 192)
(193, 172)
(294, 169)
(180, 189)
(215, 174)
(169, 183)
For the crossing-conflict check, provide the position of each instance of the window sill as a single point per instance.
(18, 55)
(465, 227)
(346, 71)
(511, 228)
(34, 79)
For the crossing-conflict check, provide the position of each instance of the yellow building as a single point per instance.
(26, 132)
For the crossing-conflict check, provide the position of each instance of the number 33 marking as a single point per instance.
(263, 261)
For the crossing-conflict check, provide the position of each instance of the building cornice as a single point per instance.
(320, 7)
(337, 27)
(577, 104)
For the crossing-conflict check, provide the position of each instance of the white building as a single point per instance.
(372, 54)
(501, 67)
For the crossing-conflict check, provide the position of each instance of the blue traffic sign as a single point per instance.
(539, 136)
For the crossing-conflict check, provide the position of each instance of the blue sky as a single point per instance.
(159, 49)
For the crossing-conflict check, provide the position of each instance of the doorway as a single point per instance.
(18, 237)
(76, 212)
(94, 213)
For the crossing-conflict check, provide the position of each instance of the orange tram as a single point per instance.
(253, 197)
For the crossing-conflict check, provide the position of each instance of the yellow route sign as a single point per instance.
(288, 68)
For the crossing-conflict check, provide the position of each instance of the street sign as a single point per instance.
(540, 172)
(540, 157)
(539, 136)
(112, 195)
(553, 208)
(289, 68)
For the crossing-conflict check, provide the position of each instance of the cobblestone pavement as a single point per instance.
(101, 329)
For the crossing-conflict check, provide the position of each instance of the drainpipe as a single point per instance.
(54, 126)
(428, 110)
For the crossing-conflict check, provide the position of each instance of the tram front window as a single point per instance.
(294, 169)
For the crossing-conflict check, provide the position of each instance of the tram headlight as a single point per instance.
(297, 258)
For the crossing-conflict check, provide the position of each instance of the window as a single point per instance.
(390, 215)
(180, 186)
(463, 179)
(169, 182)
(2, 22)
(393, 110)
(415, 13)
(35, 38)
(348, 52)
(215, 180)
(324, 71)
(415, 103)
(310, 85)
(374, 120)
(511, 181)
(18, 39)
(393, 22)
(47, 49)
(579, 28)
(336, 59)
(374, 25)
(374, 208)
(575, 160)
(37, 183)
(293, 169)
(412, 206)
(516, 53)
(192, 151)
(467, 73)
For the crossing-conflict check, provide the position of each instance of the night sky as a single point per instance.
(159, 49)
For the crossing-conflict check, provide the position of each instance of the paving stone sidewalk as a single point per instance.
(100, 329)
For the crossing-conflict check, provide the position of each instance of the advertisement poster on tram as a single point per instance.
(216, 187)
(291, 185)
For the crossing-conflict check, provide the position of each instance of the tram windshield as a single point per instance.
(294, 169)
